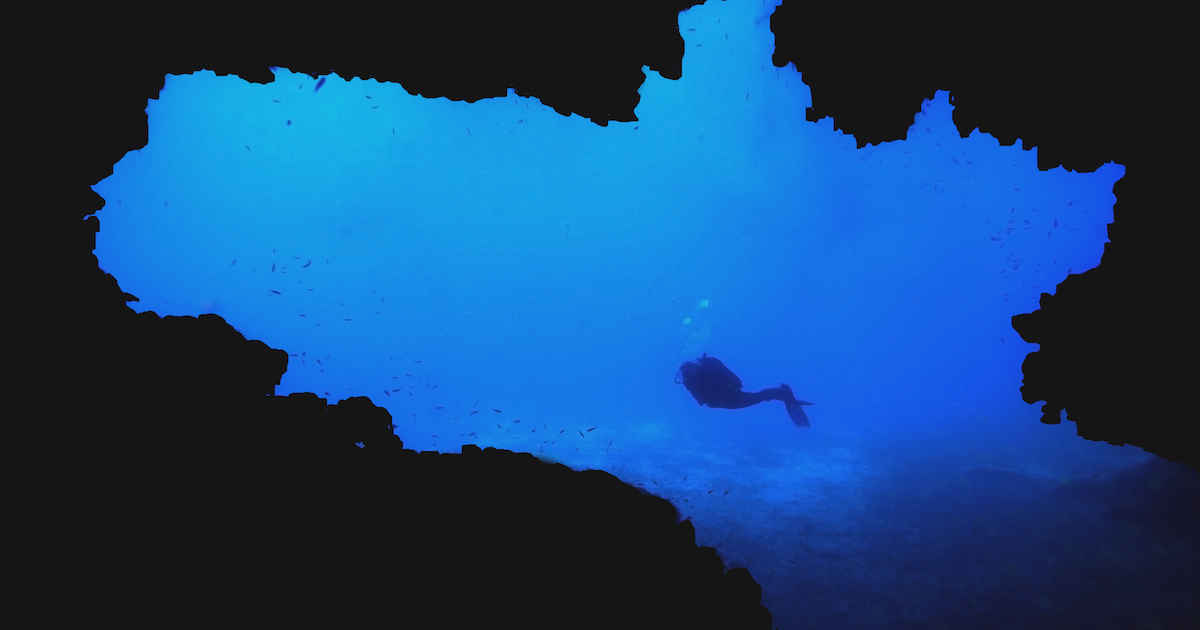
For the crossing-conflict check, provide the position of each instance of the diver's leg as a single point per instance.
(782, 392)
(739, 399)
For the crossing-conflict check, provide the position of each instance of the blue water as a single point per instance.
(446, 257)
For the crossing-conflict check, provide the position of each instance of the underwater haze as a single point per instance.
(496, 273)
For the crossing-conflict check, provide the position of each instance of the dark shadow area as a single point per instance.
(1160, 497)
(161, 481)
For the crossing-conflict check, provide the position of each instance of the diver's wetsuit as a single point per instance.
(713, 384)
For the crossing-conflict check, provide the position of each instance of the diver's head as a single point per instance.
(686, 370)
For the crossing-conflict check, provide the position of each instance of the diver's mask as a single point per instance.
(686, 370)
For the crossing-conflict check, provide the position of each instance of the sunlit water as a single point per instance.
(499, 274)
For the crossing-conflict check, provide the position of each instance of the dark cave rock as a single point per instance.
(165, 483)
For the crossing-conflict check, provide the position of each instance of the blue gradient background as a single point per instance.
(560, 271)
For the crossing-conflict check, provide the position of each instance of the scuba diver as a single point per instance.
(713, 384)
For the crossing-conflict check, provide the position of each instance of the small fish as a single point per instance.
(591, 429)
(1056, 223)
(275, 100)
(472, 413)
(386, 392)
(710, 491)
(499, 427)
(275, 292)
(248, 149)
(581, 433)
(272, 267)
(416, 361)
(561, 432)
(233, 263)
(306, 264)
(400, 388)
(497, 411)
(516, 421)
(608, 447)
(443, 408)
(684, 478)
(726, 492)
(319, 84)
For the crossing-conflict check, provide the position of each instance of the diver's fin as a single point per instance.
(796, 412)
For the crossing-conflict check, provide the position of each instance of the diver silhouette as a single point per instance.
(713, 384)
